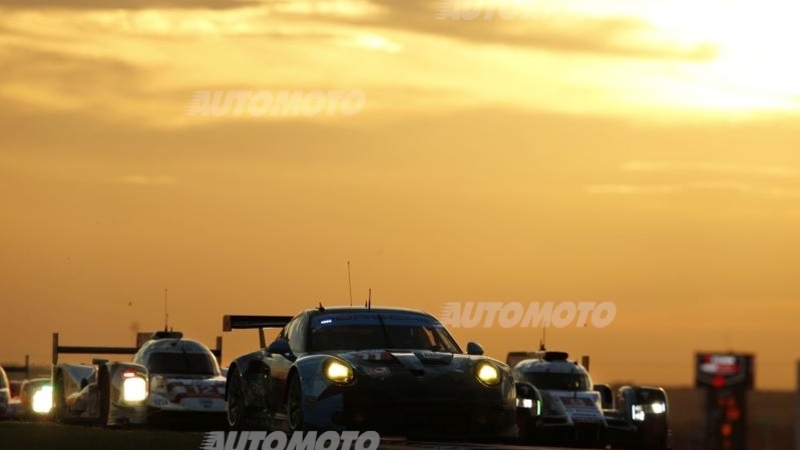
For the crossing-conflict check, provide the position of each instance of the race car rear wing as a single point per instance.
(23, 369)
(240, 322)
(84, 350)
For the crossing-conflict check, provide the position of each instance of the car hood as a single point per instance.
(415, 361)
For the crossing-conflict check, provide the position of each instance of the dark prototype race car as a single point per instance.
(559, 405)
(395, 371)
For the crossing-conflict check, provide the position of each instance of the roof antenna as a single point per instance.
(544, 336)
(350, 283)
(166, 311)
(369, 299)
(321, 308)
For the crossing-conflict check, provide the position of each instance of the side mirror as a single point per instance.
(473, 348)
(281, 347)
(84, 383)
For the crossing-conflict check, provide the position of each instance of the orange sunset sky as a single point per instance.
(641, 152)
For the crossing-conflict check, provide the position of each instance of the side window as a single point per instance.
(288, 332)
(138, 359)
(297, 334)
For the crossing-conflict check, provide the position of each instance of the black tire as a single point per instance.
(104, 387)
(235, 408)
(59, 399)
(294, 405)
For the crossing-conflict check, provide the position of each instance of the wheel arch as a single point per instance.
(233, 370)
(293, 373)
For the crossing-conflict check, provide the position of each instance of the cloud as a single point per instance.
(51, 80)
(147, 180)
(575, 34)
(684, 188)
(125, 4)
(711, 167)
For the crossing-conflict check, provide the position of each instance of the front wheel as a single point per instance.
(294, 405)
(59, 400)
(104, 390)
(236, 402)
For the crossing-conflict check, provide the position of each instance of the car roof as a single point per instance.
(541, 365)
(363, 309)
(174, 346)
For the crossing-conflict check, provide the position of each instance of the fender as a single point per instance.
(254, 372)
(123, 388)
(646, 409)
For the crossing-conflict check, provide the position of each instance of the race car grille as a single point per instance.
(425, 417)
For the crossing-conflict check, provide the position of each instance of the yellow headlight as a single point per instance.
(338, 372)
(134, 389)
(487, 373)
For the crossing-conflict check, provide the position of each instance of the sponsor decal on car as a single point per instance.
(374, 355)
(581, 409)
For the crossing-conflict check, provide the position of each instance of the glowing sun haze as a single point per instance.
(640, 152)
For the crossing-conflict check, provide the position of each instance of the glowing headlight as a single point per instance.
(134, 389)
(525, 402)
(637, 411)
(658, 408)
(487, 373)
(338, 372)
(42, 401)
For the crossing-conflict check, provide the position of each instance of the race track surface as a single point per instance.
(45, 436)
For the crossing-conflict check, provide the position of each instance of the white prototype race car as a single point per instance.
(5, 395)
(559, 405)
(171, 380)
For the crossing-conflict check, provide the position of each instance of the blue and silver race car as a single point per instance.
(395, 371)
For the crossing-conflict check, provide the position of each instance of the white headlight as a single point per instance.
(637, 412)
(42, 400)
(134, 389)
(658, 408)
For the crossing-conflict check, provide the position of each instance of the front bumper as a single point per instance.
(544, 430)
(418, 408)
(201, 420)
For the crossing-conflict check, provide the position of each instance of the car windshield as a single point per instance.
(554, 381)
(182, 364)
(368, 331)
